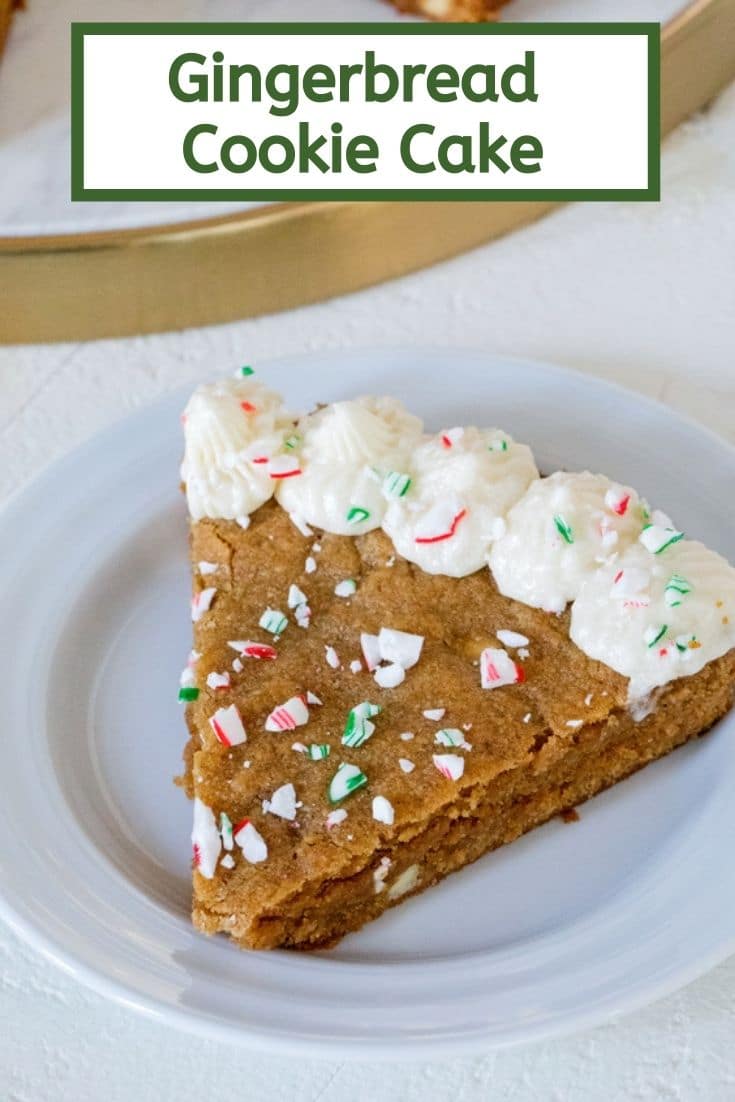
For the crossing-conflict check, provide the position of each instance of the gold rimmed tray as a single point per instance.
(84, 286)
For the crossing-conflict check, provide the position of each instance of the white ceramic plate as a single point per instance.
(569, 925)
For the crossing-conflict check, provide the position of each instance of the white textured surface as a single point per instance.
(641, 294)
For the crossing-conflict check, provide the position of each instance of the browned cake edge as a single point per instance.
(482, 817)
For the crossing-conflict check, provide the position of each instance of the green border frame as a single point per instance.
(652, 193)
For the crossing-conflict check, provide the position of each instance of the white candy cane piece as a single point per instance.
(334, 818)
(617, 499)
(228, 726)
(498, 668)
(400, 647)
(511, 638)
(383, 810)
(434, 714)
(282, 803)
(296, 597)
(450, 766)
(388, 677)
(205, 840)
(218, 680)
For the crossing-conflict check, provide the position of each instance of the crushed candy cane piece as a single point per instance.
(511, 638)
(332, 657)
(218, 680)
(205, 568)
(250, 842)
(389, 677)
(201, 602)
(563, 528)
(370, 646)
(296, 597)
(498, 445)
(188, 693)
(441, 522)
(310, 564)
(676, 588)
(334, 818)
(318, 751)
(274, 621)
(617, 499)
(451, 736)
(356, 665)
(383, 810)
(228, 726)
(345, 781)
(406, 765)
(400, 646)
(282, 803)
(243, 521)
(225, 830)
(246, 648)
(395, 485)
(245, 371)
(434, 713)
(686, 643)
(450, 766)
(653, 634)
(358, 728)
(406, 736)
(302, 615)
(450, 437)
(356, 514)
(312, 698)
(345, 588)
(283, 466)
(657, 537)
(237, 665)
(228, 861)
(497, 668)
(287, 717)
(575, 723)
(205, 840)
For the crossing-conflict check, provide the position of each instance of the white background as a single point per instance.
(639, 293)
(591, 113)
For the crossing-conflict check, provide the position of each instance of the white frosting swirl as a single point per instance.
(463, 483)
(564, 527)
(347, 450)
(655, 617)
(228, 425)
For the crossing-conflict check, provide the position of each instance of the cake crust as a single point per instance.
(538, 747)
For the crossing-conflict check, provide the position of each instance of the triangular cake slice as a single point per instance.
(362, 726)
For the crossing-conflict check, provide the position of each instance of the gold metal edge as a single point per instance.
(210, 271)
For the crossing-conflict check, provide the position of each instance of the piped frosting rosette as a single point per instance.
(348, 452)
(561, 530)
(663, 609)
(234, 453)
(463, 482)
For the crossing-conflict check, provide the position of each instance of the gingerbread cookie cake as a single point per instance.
(410, 649)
